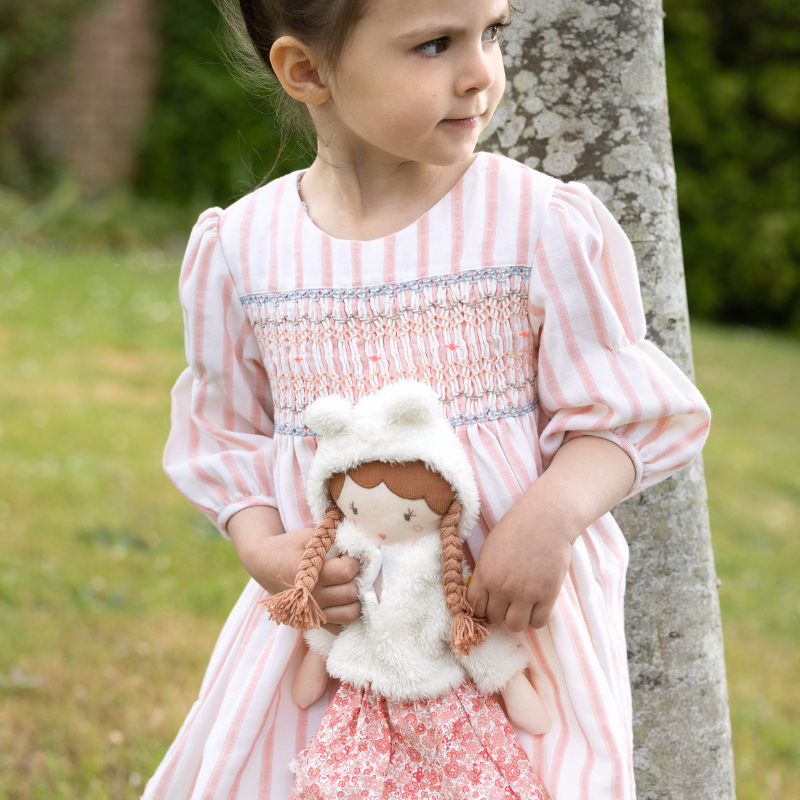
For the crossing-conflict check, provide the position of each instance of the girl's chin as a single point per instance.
(453, 149)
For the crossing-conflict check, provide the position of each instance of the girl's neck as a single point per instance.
(362, 197)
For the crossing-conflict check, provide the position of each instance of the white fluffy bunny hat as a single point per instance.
(400, 423)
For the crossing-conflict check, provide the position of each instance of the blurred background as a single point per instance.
(119, 123)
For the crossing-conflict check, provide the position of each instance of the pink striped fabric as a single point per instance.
(517, 299)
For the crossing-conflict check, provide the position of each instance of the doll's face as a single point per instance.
(383, 516)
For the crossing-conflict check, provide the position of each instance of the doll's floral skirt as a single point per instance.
(456, 747)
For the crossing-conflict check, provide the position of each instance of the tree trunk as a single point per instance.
(587, 100)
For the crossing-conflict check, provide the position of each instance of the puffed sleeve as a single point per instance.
(219, 451)
(597, 374)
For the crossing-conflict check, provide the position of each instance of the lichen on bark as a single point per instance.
(586, 99)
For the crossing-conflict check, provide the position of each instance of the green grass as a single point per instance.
(752, 381)
(113, 589)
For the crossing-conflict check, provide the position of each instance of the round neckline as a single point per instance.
(297, 176)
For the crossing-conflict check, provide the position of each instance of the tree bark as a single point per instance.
(587, 100)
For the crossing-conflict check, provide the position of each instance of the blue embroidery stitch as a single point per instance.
(490, 415)
(391, 289)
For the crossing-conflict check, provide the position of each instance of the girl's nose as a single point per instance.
(477, 72)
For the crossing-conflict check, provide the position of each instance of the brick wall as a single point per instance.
(93, 116)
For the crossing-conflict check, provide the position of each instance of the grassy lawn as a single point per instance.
(752, 382)
(112, 589)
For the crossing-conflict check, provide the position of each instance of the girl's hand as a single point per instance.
(271, 556)
(521, 568)
(525, 558)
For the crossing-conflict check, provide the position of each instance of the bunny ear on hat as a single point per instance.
(399, 423)
(329, 416)
(405, 404)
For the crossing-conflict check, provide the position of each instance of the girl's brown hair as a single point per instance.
(412, 481)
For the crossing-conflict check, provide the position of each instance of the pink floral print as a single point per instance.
(456, 747)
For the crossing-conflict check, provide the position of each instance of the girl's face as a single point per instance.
(418, 81)
(384, 517)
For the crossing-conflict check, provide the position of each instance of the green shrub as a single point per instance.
(118, 221)
(31, 32)
(733, 72)
(208, 141)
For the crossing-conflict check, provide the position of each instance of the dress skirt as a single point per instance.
(455, 747)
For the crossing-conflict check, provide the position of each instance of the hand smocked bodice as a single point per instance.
(467, 335)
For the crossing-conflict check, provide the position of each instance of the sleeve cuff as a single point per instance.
(242, 502)
(622, 442)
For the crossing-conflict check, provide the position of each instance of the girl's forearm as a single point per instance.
(587, 477)
(249, 527)
(250, 530)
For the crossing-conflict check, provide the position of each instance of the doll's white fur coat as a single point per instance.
(400, 646)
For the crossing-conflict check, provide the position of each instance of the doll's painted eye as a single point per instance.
(409, 514)
(353, 508)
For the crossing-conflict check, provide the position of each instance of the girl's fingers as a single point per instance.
(478, 599)
(541, 614)
(341, 569)
(496, 609)
(342, 594)
(342, 615)
(334, 629)
(518, 617)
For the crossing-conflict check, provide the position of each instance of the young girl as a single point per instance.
(402, 253)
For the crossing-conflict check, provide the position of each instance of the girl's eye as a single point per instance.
(353, 508)
(494, 33)
(408, 515)
(432, 48)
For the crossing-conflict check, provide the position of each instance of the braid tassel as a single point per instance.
(467, 632)
(296, 607)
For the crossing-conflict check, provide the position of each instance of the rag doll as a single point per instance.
(414, 716)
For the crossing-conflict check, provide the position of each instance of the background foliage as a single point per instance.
(31, 33)
(733, 71)
(208, 141)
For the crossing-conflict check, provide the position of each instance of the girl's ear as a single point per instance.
(297, 68)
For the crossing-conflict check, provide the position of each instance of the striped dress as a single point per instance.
(516, 298)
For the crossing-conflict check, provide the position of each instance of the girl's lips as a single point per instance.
(382, 535)
(466, 122)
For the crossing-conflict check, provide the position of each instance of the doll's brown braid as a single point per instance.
(296, 606)
(466, 632)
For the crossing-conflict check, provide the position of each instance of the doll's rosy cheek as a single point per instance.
(418, 529)
(351, 520)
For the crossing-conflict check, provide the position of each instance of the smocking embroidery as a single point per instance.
(392, 289)
(462, 419)
(466, 335)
